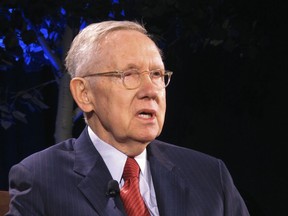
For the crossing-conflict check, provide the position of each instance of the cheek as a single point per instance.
(162, 107)
(119, 104)
(102, 100)
(162, 101)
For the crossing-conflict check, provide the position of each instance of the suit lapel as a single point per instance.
(170, 192)
(90, 165)
(168, 183)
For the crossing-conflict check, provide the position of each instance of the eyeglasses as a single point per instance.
(132, 78)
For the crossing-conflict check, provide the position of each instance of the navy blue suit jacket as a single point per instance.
(70, 179)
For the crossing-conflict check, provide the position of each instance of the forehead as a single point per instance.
(124, 47)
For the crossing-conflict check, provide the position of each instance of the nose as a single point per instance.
(146, 78)
(147, 89)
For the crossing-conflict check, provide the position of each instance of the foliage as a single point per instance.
(31, 34)
(178, 25)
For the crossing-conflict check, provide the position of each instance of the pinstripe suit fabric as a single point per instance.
(70, 179)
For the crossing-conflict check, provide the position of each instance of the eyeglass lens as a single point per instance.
(132, 79)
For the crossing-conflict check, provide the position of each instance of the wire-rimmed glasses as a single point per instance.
(132, 78)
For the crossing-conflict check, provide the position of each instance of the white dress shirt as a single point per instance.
(115, 161)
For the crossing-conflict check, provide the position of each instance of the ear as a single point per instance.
(80, 91)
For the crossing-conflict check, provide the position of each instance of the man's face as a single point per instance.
(123, 117)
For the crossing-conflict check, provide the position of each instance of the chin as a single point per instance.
(147, 139)
(147, 135)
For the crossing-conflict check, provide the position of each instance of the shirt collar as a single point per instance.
(114, 159)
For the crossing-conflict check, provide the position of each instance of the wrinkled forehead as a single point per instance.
(124, 47)
(124, 38)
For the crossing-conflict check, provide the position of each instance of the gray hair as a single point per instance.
(81, 54)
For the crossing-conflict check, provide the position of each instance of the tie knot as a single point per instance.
(131, 169)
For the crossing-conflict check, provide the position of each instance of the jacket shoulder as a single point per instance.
(173, 150)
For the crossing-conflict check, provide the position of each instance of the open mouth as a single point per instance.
(146, 114)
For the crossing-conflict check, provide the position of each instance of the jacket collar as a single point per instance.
(95, 176)
(169, 182)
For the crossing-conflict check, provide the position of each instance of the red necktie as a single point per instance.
(130, 192)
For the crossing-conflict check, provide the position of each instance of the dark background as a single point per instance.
(227, 96)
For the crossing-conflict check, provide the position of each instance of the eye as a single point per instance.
(131, 72)
(156, 73)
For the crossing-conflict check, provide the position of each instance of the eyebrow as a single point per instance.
(134, 66)
(131, 66)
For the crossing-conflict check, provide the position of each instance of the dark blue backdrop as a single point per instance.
(228, 101)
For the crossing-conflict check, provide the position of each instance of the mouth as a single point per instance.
(146, 114)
